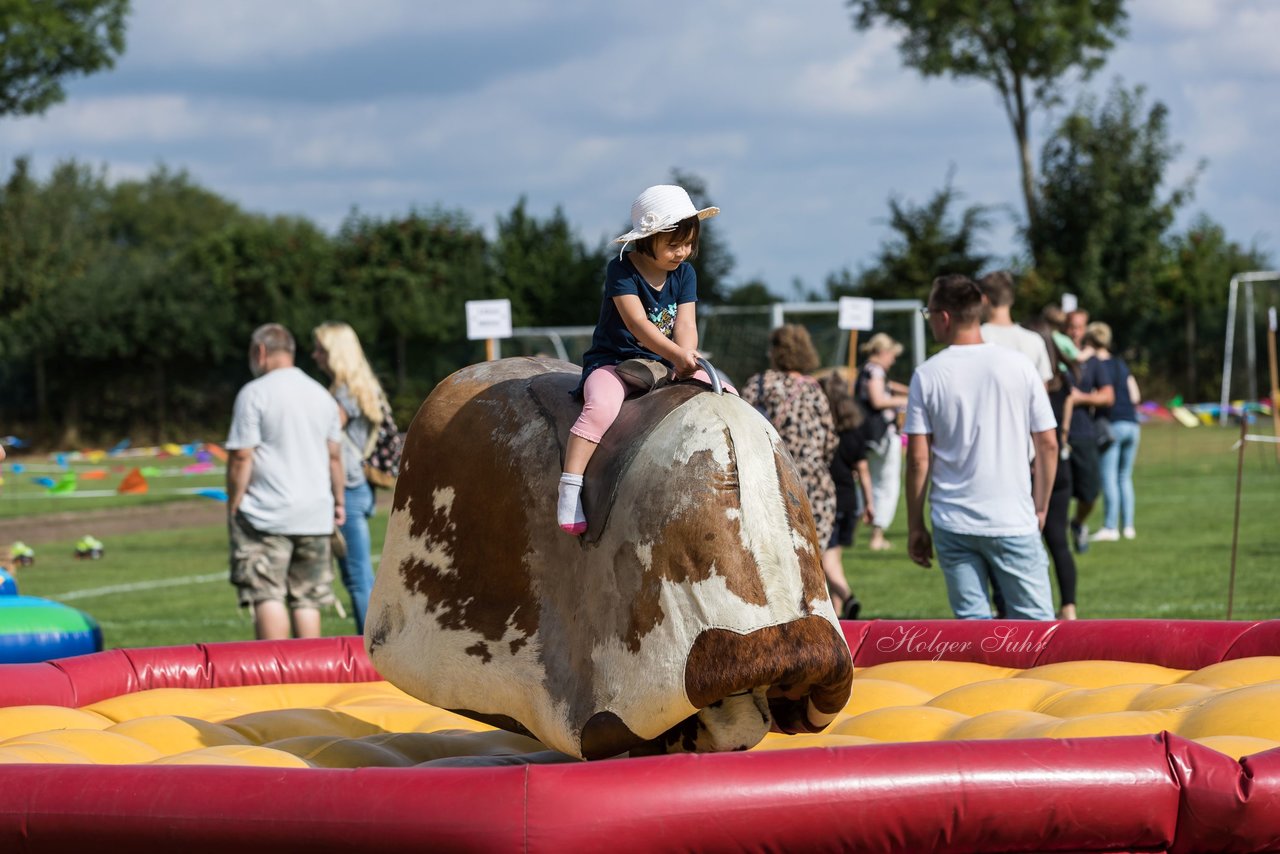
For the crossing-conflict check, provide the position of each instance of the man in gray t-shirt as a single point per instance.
(284, 490)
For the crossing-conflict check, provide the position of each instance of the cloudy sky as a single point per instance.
(801, 127)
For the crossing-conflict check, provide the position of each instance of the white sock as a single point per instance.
(569, 507)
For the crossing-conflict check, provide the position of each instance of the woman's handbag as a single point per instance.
(1103, 433)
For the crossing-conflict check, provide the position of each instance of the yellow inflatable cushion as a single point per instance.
(1229, 707)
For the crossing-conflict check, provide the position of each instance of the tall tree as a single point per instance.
(1193, 292)
(44, 41)
(1103, 215)
(412, 276)
(1024, 48)
(926, 241)
(50, 235)
(551, 278)
(714, 262)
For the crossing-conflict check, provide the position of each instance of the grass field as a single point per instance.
(21, 495)
(170, 587)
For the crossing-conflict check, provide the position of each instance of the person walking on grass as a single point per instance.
(970, 410)
(1117, 460)
(852, 478)
(883, 399)
(285, 490)
(360, 399)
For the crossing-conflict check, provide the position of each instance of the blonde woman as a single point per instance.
(360, 399)
(882, 398)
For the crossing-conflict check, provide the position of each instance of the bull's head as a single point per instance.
(693, 615)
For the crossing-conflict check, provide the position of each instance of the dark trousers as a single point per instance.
(1055, 535)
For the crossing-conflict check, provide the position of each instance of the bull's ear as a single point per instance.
(642, 374)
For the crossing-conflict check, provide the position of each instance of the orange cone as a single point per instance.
(133, 484)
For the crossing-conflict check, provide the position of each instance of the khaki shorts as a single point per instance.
(293, 569)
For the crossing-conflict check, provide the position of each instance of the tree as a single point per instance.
(44, 41)
(411, 277)
(714, 262)
(50, 235)
(1024, 49)
(1102, 215)
(1193, 291)
(550, 277)
(927, 241)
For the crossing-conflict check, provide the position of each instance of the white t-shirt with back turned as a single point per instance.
(980, 405)
(1026, 342)
(288, 419)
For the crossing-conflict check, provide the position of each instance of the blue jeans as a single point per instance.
(357, 567)
(1117, 475)
(1018, 564)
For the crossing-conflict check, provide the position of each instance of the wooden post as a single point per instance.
(1235, 529)
(1275, 382)
(488, 350)
(853, 355)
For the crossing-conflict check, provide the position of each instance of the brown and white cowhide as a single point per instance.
(692, 616)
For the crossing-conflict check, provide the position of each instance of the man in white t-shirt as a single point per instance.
(285, 490)
(970, 410)
(1000, 329)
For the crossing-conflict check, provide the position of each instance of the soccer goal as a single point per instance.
(736, 338)
(1251, 321)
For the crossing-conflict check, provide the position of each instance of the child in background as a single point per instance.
(647, 313)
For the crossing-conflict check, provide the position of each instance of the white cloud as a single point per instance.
(801, 126)
(252, 32)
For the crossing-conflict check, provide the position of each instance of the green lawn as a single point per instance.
(170, 587)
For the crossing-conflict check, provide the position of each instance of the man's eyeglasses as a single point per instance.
(925, 312)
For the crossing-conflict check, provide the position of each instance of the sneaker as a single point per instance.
(1129, 533)
(852, 607)
(1080, 537)
(1106, 535)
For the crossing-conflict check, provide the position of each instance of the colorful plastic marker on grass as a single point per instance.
(133, 483)
(21, 554)
(89, 547)
(66, 484)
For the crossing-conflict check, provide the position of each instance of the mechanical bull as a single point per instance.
(692, 616)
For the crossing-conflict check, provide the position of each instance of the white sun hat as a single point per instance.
(661, 208)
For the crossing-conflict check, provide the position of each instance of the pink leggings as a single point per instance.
(603, 394)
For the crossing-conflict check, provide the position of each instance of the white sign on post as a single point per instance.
(1069, 303)
(855, 313)
(488, 318)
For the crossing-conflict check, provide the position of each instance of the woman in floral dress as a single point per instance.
(797, 407)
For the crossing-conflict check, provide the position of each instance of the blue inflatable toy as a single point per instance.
(34, 629)
(8, 585)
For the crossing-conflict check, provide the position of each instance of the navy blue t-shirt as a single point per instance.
(1123, 409)
(613, 342)
(1093, 376)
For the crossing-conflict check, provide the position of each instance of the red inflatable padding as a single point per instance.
(935, 796)
(1226, 805)
(1180, 644)
(193, 810)
(1001, 643)
(87, 679)
(1102, 794)
(1261, 639)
